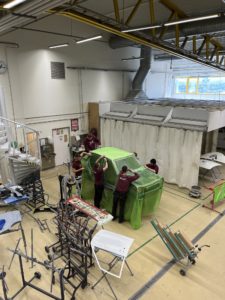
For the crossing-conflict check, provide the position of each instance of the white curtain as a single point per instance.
(177, 151)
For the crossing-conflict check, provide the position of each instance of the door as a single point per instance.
(61, 145)
(32, 144)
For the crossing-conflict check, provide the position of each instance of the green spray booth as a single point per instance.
(144, 194)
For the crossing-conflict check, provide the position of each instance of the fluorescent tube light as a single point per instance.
(13, 3)
(58, 46)
(192, 20)
(173, 23)
(89, 39)
(141, 28)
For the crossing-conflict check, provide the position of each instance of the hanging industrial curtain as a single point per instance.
(177, 151)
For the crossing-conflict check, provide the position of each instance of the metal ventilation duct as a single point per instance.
(137, 84)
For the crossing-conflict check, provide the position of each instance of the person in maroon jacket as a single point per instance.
(99, 180)
(120, 193)
(91, 142)
(78, 168)
(153, 166)
(76, 164)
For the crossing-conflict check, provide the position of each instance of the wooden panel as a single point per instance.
(94, 122)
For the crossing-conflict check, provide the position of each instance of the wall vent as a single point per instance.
(57, 70)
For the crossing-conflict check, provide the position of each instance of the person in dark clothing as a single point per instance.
(78, 168)
(99, 180)
(120, 193)
(76, 164)
(91, 142)
(153, 166)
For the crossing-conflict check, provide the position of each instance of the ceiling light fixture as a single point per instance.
(189, 20)
(96, 37)
(13, 3)
(192, 20)
(142, 28)
(132, 58)
(58, 46)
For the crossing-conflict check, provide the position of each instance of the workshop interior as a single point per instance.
(112, 149)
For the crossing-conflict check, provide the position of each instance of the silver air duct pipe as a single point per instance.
(137, 92)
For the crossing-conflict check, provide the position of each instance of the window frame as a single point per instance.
(188, 78)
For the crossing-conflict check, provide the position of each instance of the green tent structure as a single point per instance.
(144, 194)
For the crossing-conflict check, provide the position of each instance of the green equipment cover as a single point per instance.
(144, 194)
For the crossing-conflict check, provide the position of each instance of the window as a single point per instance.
(200, 85)
(192, 84)
(180, 85)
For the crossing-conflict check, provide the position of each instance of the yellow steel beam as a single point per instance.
(152, 14)
(173, 7)
(216, 43)
(136, 39)
(116, 10)
(133, 12)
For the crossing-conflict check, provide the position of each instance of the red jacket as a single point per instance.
(153, 167)
(124, 181)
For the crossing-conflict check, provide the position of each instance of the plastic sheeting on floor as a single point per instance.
(144, 194)
(177, 151)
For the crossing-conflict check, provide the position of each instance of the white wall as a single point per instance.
(158, 80)
(34, 98)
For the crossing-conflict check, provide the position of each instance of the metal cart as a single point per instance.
(180, 247)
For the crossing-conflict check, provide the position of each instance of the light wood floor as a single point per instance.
(148, 257)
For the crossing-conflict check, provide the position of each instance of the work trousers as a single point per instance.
(98, 195)
(121, 198)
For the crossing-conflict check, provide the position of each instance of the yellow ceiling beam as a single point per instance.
(116, 10)
(136, 39)
(152, 14)
(173, 7)
(132, 14)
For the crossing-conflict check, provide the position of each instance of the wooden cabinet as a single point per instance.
(93, 113)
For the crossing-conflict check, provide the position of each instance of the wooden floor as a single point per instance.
(155, 277)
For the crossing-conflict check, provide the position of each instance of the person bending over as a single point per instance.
(120, 193)
(99, 180)
(153, 166)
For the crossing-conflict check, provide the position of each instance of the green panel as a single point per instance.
(144, 194)
(219, 193)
